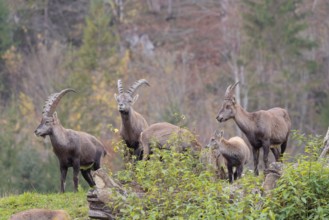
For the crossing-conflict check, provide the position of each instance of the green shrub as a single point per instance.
(178, 186)
(302, 192)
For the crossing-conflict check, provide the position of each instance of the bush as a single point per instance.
(302, 192)
(177, 186)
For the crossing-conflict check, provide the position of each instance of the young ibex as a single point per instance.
(262, 128)
(132, 123)
(235, 151)
(214, 161)
(162, 134)
(75, 149)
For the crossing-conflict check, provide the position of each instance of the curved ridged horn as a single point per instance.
(135, 86)
(120, 88)
(52, 101)
(230, 90)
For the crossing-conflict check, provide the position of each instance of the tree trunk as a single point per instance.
(46, 24)
(326, 145)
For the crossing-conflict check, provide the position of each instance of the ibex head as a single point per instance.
(228, 109)
(49, 116)
(215, 139)
(126, 99)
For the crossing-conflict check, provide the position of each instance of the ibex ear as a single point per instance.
(135, 98)
(55, 117)
(233, 100)
(218, 133)
(116, 96)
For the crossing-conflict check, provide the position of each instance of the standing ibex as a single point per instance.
(132, 123)
(163, 135)
(75, 149)
(235, 151)
(262, 128)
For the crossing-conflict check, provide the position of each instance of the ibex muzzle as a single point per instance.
(45, 127)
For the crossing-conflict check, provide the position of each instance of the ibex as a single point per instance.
(75, 149)
(234, 150)
(132, 123)
(162, 134)
(214, 161)
(41, 214)
(262, 128)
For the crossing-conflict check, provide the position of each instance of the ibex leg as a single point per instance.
(63, 170)
(256, 159)
(87, 176)
(230, 173)
(76, 170)
(266, 149)
(138, 153)
(276, 153)
(239, 171)
(283, 147)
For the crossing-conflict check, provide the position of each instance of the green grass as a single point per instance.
(74, 203)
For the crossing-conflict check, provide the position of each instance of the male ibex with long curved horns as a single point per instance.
(262, 128)
(75, 149)
(132, 123)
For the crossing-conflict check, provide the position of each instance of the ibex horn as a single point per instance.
(230, 90)
(52, 101)
(120, 88)
(135, 86)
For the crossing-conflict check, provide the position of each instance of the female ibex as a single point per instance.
(235, 151)
(75, 149)
(132, 123)
(262, 128)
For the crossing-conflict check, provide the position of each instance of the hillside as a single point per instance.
(179, 187)
(188, 51)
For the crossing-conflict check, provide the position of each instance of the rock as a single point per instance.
(41, 214)
(96, 214)
(272, 174)
(99, 197)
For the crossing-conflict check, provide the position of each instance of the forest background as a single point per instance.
(189, 51)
